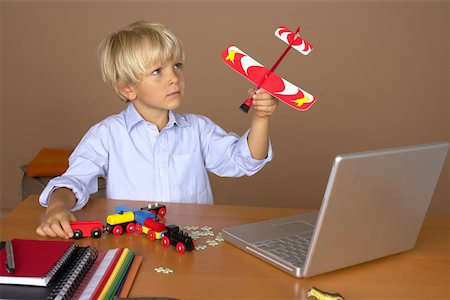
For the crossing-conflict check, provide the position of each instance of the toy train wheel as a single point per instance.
(162, 212)
(109, 228)
(138, 229)
(130, 227)
(151, 235)
(180, 248)
(165, 242)
(96, 233)
(77, 234)
(117, 230)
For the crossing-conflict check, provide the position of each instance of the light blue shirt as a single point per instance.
(141, 163)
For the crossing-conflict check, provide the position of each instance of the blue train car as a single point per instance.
(141, 215)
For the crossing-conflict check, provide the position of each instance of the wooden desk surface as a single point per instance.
(226, 272)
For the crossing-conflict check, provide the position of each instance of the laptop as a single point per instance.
(374, 206)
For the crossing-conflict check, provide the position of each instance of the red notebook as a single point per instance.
(36, 261)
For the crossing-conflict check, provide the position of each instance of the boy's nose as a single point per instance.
(173, 78)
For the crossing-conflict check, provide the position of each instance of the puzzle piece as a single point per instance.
(190, 227)
(206, 228)
(321, 295)
(163, 270)
(212, 243)
(206, 233)
(200, 247)
(219, 237)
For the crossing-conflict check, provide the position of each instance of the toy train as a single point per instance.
(144, 220)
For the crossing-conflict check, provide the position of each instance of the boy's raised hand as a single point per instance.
(264, 104)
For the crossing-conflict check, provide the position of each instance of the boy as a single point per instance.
(149, 152)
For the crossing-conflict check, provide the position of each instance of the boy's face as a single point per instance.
(161, 89)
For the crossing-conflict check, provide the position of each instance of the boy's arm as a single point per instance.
(264, 105)
(58, 215)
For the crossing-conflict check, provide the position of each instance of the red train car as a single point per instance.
(86, 229)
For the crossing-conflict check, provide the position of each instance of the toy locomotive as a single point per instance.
(181, 240)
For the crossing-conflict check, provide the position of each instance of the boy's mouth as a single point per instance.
(174, 93)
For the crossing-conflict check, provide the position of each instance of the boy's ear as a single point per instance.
(127, 91)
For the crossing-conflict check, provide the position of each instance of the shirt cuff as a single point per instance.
(250, 164)
(81, 194)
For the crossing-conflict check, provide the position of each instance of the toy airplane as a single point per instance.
(264, 78)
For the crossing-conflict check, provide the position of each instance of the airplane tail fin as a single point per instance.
(298, 44)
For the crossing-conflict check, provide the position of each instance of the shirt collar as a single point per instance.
(132, 117)
(177, 119)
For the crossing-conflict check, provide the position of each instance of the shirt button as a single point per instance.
(162, 172)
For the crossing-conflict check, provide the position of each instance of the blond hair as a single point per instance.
(124, 55)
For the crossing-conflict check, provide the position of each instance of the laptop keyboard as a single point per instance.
(292, 249)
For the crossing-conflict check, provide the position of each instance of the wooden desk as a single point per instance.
(225, 272)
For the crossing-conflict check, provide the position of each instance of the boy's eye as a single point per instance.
(178, 66)
(156, 72)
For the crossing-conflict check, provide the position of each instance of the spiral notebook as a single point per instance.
(66, 275)
(36, 261)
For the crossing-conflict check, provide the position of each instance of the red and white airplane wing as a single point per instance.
(273, 84)
(298, 44)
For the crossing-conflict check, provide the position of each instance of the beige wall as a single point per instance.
(380, 72)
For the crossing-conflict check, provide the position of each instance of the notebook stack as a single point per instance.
(47, 269)
(42, 266)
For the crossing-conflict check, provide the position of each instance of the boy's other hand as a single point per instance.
(57, 224)
(264, 104)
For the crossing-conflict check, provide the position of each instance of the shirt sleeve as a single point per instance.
(86, 164)
(227, 154)
(246, 159)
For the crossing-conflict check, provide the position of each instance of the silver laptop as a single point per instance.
(374, 206)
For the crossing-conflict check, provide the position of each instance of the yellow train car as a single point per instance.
(117, 223)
